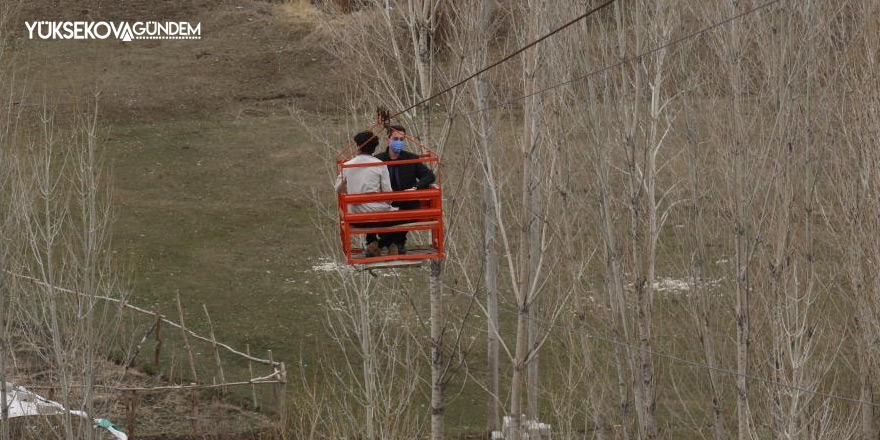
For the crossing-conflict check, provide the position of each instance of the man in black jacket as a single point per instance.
(405, 177)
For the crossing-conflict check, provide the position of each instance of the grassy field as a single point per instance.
(216, 186)
(212, 178)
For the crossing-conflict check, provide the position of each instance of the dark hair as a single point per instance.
(369, 148)
(394, 128)
(366, 142)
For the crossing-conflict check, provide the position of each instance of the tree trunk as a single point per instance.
(617, 300)
(522, 319)
(425, 29)
(4, 409)
(613, 278)
(865, 378)
(739, 193)
(368, 358)
(493, 415)
(530, 239)
(741, 227)
(629, 118)
(490, 258)
(642, 259)
(490, 225)
(697, 268)
(93, 231)
(589, 366)
(46, 243)
(434, 285)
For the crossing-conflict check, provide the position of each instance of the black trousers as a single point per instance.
(398, 238)
(385, 239)
(388, 238)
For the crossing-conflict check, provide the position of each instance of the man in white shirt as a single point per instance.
(368, 179)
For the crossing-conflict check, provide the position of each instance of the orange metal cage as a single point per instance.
(428, 216)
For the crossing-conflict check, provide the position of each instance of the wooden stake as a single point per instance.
(282, 402)
(216, 351)
(251, 377)
(157, 351)
(183, 332)
(194, 424)
(123, 333)
(275, 390)
(131, 407)
(140, 345)
(173, 363)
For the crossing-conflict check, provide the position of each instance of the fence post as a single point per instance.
(172, 363)
(192, 361)
(275, 391)
(131, 407)
(251, 377)
(194, 425)
(157, 350)
(137, 350)
(282, 401)
(123, 333)
(216, 352)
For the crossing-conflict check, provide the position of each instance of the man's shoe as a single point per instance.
(393, 250)
(401, 249)
(372, 250)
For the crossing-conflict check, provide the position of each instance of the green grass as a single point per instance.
(222, 211)
(217, 210)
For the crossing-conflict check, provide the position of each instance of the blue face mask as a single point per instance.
(397, 145)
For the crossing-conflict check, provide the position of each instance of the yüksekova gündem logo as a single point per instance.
(102, 30)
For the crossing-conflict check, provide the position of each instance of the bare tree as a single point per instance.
(729, 49)
(375, 47)
(470, 41)
(855, 189)
(54, 226)
(735, 128)
(7, 133)
(532, 167)
(372, 330)
(525, 357)
(698, 272)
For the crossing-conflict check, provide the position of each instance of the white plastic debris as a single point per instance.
(23, 403)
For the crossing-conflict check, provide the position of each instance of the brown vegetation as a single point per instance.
(683, 245)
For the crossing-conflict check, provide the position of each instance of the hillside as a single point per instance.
(659, 222)
(211, 177)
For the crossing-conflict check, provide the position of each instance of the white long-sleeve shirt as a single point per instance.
(363, 180)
